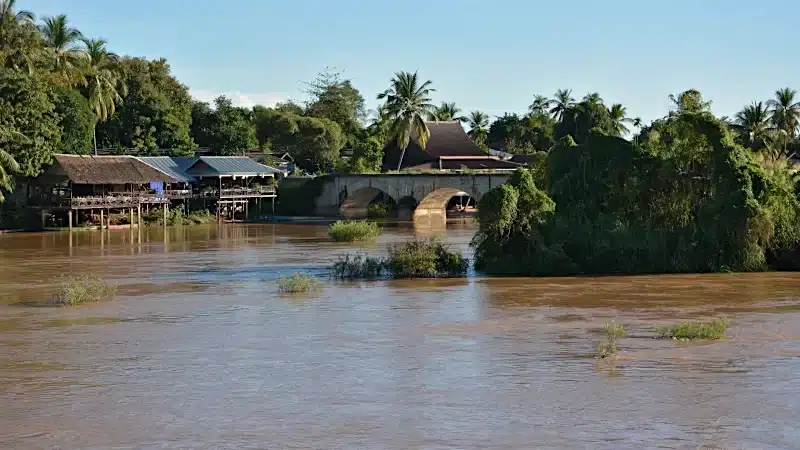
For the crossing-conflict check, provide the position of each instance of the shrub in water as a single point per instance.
(378, 210)
(297, 283)
(357, 267)
(613, 333)
(714, 329)
(353, 230)
(80, 289)
(425, 259)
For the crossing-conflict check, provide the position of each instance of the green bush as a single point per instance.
(297, 283)
(80, 289)
(613, 333)
(353, 230)
(378, 210)
(416, 259)
(425, 259)
(175, 216)
(711, 330)
(357, 267)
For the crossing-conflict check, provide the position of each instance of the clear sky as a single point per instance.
(484, 55)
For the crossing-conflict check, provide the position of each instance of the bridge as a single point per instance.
(422, 195)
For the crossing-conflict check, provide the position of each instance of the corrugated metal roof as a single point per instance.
(171, 166)
(232, 165)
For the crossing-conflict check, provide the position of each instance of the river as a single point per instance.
(199, 351)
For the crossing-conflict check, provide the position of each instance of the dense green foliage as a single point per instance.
(353, 230)
(415, 259)
(77, 121)
(612, 333)
(683, 197)
(711, 330)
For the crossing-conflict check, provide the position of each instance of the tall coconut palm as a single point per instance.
(62, 42)
(447, 112)
(562, 101)
(17, 32)
(478, 127)
(755, 122)
(103, 83)
(593, 97)
(540, 105)
(619, 119)
(10, 19)
(785, 111)
(407, 106)
(478, 121)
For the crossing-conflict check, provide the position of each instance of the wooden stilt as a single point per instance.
(139, 217)
(101, 219)
(69, 219)
(165, 214)
(130, 212)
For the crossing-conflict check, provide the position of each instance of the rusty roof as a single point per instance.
(87, 169)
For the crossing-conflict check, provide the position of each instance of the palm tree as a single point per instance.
(540, 105)
(16, 32)
(103, 84)
(407, 106)
(593, 98)
(8, 165)
(755, 121)
(785, 111)
(478, 121)
(478, 128)
(61, 40)
(619, 117)
(562, 101)
(10, 19)
(447, 112)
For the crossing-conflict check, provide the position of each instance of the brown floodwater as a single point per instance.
(200, 351)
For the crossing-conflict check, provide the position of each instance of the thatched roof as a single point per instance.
(108, 170)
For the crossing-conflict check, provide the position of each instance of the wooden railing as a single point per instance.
(248, 192)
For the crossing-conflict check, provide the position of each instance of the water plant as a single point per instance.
(353, 230)
(357, 266)
(710, 330)
(425, 259)
(76, 290)
(612, 332)
(415, 259)
(297, 283)
(378, 210)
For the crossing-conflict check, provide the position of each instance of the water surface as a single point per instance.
(199, 351)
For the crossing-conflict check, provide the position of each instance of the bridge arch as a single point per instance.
(434, 205)
(355, 205)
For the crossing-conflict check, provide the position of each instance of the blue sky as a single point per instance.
(492, 56)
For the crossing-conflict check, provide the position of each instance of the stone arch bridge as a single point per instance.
(349, 195)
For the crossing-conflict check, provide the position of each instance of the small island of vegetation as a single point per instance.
(353, 230)
(415, 259)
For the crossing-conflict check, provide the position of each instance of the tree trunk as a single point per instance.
(400, 161)
(95, 139)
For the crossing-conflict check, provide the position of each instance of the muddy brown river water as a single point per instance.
(200, 351)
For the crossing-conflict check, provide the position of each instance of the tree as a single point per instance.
(540, 105)
(102, 85)
(690, 101)
(582, 119)
(77, 121)
(156, 110)
(28, 120)
(754, 120)
(61, 41)
(407, 106)
(478, 128)
(593, 97)
(619, 117)
(447, 112)
(227, 129)
(20, 41)
(313, 143)
(271, 124)
(561, 102)
(332, 98)
(8, 167)
(785, 112)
